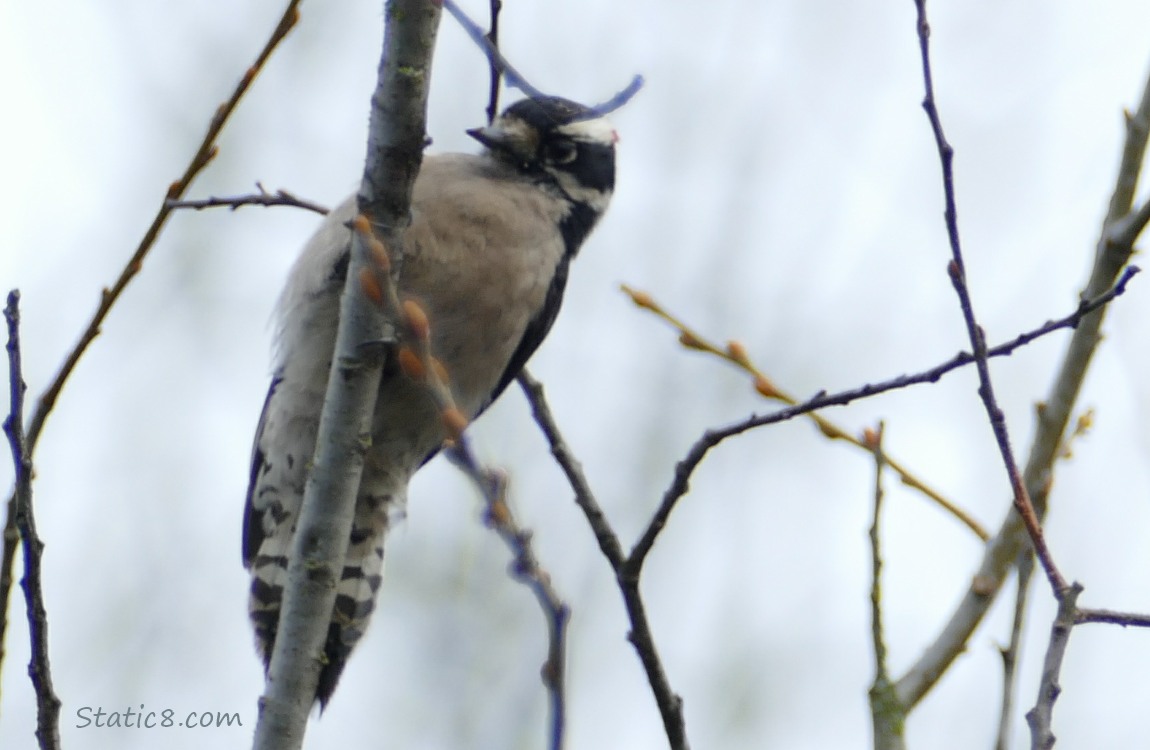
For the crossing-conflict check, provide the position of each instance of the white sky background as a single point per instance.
(777, 184)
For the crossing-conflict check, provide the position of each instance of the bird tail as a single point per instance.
(356, 591)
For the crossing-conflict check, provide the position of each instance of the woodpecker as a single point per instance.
(486, 255)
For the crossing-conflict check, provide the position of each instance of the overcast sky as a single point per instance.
(777, 184)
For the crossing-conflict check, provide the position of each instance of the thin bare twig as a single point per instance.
(1112, 255)
(887, 715)
(492, 37)
(1083, 616)
(685, 468)
(606, 537)
(957, 272)
(525, 568)
(39, 668)
(627, 569)
(261, 198)
(1012, 653)
(417, 362)
(515, 79)
(204, 154)
(1039, 717)
(736, 354)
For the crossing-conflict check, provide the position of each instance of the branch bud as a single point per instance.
(416, 320)
(369, 285)
(410, 364)
(765, 387)
(454, 421)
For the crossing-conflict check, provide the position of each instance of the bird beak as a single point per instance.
(493, 137)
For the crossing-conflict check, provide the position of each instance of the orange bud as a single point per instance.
(410, 364)
(370, 286)
(440, 371)
(361, 225)
(642, 299)
(765, 387)
(870, 438)
(173, 190)
(689, 340)
(379, 255)
(828, 429)
(416, 319)
(454, 421)
(737, 351)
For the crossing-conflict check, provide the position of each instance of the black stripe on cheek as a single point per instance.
(595, 166)
(575, 226)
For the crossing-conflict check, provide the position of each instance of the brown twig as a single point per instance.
(627, 569)
(736, 354)
(606, 537)
(39, 668)
(711, 438)
(526, 569)
(261, 198)
(415, 359)
(956, 269)
(1115, 247)
(204, 154)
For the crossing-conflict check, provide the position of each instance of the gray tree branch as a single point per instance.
(396, 137)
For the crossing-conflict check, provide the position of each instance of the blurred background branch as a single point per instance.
(39, 669)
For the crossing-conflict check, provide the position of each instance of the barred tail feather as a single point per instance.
(355, 598)
(269, 575)
(356, 593)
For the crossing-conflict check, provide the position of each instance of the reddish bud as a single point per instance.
(370, 286)
(416, 320)
(737, 352)
(440, 371)
(410, 364)
(454, 421)
(765, 387)
(689, 340)
(379, 255)
(642, 299)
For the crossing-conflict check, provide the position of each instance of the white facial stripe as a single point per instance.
(576, 191)
(599, 130)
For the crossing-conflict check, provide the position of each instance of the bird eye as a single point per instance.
(560, 152)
